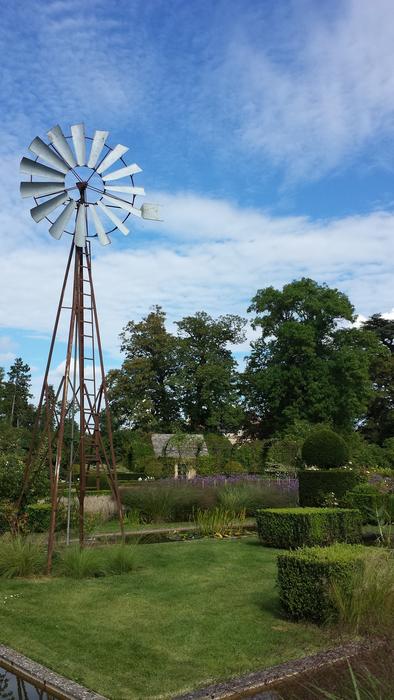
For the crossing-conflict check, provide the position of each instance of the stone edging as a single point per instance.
(262, 680)
(32, 672)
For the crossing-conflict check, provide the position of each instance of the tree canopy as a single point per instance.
(308, 363)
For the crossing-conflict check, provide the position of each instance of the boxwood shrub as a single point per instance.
(314, 486)
(39, 516)
(306, 578)
(370, 502)
(289, 528)
(326, 449)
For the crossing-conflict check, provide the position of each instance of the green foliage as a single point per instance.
(39, 515)
(366, 454)
(207, 466)
(78, 563)
(142, 392)
(250, 454)
(378, 424)
(234, 467)
(290, 528)
(16, 395)
(214, 523)
(21, 556)
(251, 496)
(307, 576)
(135, 446)
(151, 466)
(283, 455)
(207, 377)
(220, 450)
(367, 499)
(11, 474)
(369, 608)
(314, 486)
(93, 562)
(119, 559)
(326, 449)
(304, 364)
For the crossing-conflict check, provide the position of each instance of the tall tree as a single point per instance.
(142, 392)
(207, 377)
(378, 425)
(306, 364)
(17, 394)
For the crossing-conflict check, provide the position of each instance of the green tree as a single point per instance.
(379, 421)
(207, 377)
(306, 364)
(18, 410)
(142, 392)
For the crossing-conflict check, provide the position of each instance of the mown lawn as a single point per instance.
(190, 613)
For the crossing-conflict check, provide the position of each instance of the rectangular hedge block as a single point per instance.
(289, 528)
(314, 486)
(306, 578)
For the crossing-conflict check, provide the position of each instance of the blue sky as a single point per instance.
(265, 130)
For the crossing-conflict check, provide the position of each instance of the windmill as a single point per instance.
(76, 189)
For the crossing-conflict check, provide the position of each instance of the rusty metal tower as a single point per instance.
(80, 181)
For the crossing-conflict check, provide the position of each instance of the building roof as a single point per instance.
(185, 446)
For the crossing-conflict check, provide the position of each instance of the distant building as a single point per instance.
(183, 449)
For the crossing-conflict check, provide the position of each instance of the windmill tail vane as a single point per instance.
(79, 174)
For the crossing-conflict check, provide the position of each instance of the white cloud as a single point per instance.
(7, 349)
(311, 103)
(238, 251)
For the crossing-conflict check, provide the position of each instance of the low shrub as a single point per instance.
(39, 516)
(21, 556)
(325, 449)
(234, 467)
(315, 486)
(151, 466)
(251, 456)
(367, 499)
(167, 502)
(251, 496)
(306, 578)
(289, 528)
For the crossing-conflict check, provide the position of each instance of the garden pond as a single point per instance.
(13, 687)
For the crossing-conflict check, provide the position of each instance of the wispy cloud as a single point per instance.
(212, 255)
(311, 104)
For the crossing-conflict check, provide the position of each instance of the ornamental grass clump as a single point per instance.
(369, 608)
(119, 559)
(21, 556)
(218, 522)
(77, 562)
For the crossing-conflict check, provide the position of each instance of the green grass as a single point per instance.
(190, 613)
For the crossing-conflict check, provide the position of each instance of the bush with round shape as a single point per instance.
(314, 486)
(325, 449)
(306, 578)
(233, 467)
(289, 528)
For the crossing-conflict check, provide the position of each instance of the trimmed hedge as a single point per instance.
(314, 486)
(325, 449)
(370, 502)
(288, 528)
(39, 516)
(306, 577)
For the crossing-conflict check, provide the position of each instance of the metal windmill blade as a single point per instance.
(74, 171)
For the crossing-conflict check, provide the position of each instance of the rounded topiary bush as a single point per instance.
(325, 449)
